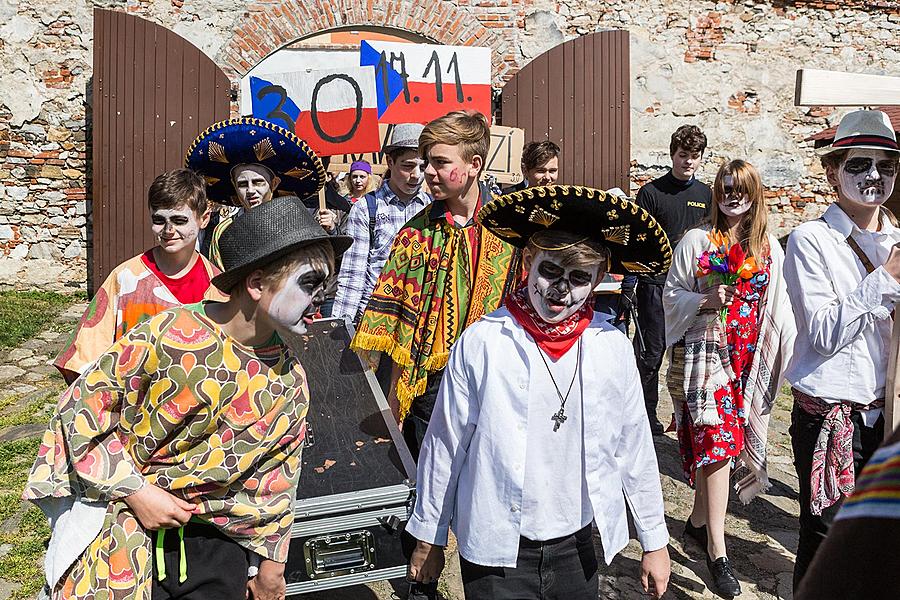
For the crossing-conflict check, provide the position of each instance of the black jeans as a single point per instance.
(562, 569)
(804, 430)
(652, 328)
(216, 565)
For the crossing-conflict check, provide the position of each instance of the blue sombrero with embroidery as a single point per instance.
(243, 140)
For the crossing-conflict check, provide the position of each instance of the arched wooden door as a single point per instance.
(153, 93)
(577, 95)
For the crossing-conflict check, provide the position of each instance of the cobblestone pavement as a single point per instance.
(761, 537)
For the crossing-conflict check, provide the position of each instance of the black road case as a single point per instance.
(357, 482)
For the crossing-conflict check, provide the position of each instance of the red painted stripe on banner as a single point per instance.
(327, 138)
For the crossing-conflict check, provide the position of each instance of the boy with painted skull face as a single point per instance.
(247, 162)
(170, 274)
(193, 421)
(843, 277)
(530, 439)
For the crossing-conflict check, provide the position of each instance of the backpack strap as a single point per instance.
(372, 205)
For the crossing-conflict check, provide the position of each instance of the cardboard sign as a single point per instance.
(504, 159)
(334, 111)
(417, 83)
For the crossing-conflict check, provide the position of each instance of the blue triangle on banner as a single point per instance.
(266, 98)
(369, 56)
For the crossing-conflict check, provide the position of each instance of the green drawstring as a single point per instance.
(182, 561)
(161, 557)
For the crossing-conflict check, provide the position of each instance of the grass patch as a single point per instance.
(28, 536)
(35, 412)
(23, 314)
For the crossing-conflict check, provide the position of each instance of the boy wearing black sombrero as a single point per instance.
(170, 465)
(539, 427)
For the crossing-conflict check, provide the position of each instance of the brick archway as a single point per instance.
(266, 26)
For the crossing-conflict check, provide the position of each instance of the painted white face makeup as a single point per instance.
(175, 228)
(300, 296)
(558, 291)
(736, 203)
(407, 173)
(253, 184)
(867, 176)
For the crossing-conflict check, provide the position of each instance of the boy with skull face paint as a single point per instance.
(194, 421)
(247, 162)
(530, 441)
(170, 274)
(843, 277)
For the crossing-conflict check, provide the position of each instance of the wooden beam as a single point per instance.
(816, 87)
(892, 385)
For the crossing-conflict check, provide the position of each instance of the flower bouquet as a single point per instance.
(731, 264)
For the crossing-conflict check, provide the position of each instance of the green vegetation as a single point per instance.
(23, 527)
(27, 536)
(23, 314)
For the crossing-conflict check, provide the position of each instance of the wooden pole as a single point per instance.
(892, 385)
(322, 198)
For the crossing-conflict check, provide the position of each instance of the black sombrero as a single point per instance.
(266, 233)
(243, 140)
(637, 243)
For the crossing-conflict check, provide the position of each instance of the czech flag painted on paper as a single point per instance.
(336, 110)
(417, 83)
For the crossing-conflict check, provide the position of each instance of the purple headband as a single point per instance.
(361, 165)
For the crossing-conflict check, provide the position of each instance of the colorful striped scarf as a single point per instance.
(437, 281)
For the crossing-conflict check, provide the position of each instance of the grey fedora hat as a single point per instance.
(266, 233)
(406, 136)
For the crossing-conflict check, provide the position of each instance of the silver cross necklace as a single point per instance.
(559, 417)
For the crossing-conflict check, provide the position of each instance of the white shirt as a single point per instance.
(471, 471)
(555, 502)
(843, 315)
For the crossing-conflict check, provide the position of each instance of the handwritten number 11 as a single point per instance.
(438, 82)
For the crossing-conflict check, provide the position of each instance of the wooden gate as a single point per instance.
(577, 95)
(153, 93)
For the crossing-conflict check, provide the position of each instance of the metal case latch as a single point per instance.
(339, 554)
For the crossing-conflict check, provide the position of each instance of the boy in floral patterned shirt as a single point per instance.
(171, 464)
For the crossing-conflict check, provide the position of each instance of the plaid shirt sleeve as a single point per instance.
(354, 263)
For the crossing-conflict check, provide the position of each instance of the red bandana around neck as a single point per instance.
(553, 338)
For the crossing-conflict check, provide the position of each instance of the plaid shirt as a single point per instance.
(361, 264)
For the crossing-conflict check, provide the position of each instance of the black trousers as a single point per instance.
(652, 328)
(562, 569)
(804, 430)
(216, 566)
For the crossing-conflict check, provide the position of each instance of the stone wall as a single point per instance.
(727, 66)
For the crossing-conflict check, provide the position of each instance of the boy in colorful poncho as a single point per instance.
(171, 463)
(539, 427)
(170, 274)
(444, 272)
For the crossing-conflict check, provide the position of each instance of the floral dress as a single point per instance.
(703, 445)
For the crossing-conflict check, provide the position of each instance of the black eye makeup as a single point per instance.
(580, 278)
(577, 277)
(550, 270)
(312, 280)
(863, 164)
(177, 220)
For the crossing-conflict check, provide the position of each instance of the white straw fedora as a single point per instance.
(869, 129)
